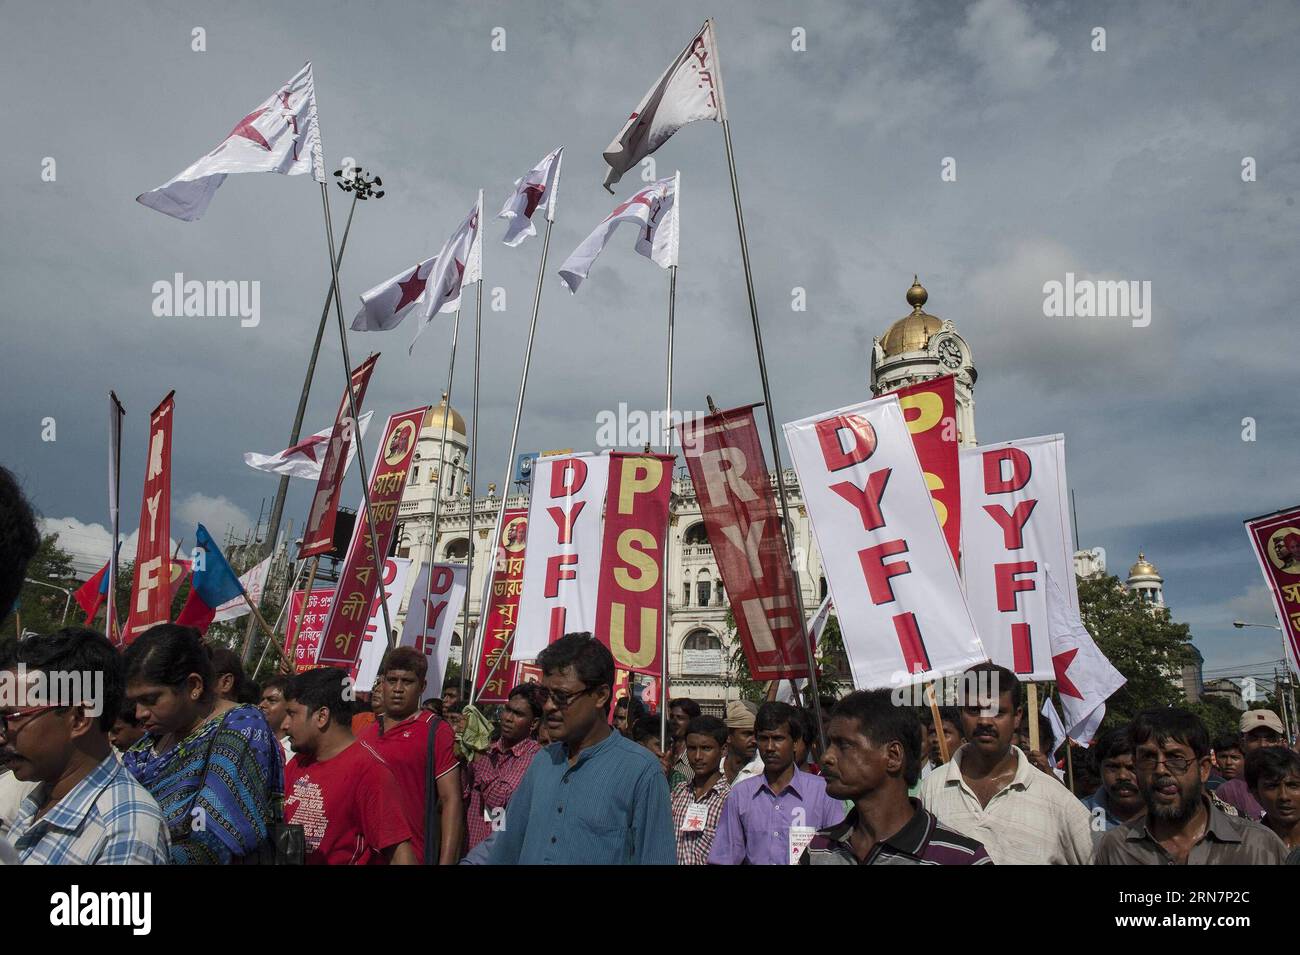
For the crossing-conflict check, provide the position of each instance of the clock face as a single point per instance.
(950, 353)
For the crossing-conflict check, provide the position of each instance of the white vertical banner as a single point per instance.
(375, 637)
(565, 539)
(440, 613)
(1015, 525)
(890, 572)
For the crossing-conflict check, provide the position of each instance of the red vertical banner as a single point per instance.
(303, 651)
(629, 603)
(732, 485)
(1276, 539)
(503, 609)
(344, 631)
(930, 413)
(151, 591)
(318, 537)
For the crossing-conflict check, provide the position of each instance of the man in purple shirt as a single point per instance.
(770, 819)
(1259, 729)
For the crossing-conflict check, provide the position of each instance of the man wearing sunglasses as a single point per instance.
(1182, 826)
(592, 797)
(87, 809)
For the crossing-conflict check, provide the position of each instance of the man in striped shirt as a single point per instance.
(873, 756)
(697, 802)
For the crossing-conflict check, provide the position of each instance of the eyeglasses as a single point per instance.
(26, 716)
(561, 699)
(1175, 764)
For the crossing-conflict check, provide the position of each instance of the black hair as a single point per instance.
(686, 705)
(1227, 741)
(950, 714)
(1002, 678)
(1112, 743)
(591, 660)
(226, 660)
(457, 707)
(126, 713)
(774, 714)
(1180, 726)
(1271, 764)
(647, 727)
(807, 725)
(882, 722)
(530, 693)
(8, 652)
(166, 655)
(76, 650)
(637, 711)
(405, 658)
(708, 726)
(278, 682)
(19, 540)
(322, 688)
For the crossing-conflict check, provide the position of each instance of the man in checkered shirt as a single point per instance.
(87, 809)
(697, 802)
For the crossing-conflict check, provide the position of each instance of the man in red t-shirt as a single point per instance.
(336, 787)
(400, 735)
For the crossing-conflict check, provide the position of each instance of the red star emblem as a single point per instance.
(638, 199)
(306, 447)
(412, 288)
(534, 194)
(245, 129)
(1060, 663)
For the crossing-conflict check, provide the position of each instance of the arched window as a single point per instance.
(702, 654)
(457, 549)
(695, 534)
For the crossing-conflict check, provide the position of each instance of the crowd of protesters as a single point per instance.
(181, 758)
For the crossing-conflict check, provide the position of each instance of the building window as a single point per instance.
(456, 550)
(415, 475)
(704, 588)
(702, 654)
(686, 593)
(822, 587)
(695, 534)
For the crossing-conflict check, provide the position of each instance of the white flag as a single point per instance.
(384, 306)
(654, 210)
(446, 596)
(527, 198)
(305, 458)
(1058, 729)
(253, 581)
(816, 624)
(690, 89)
(281, 135)
(459, 263)
(1084, 677)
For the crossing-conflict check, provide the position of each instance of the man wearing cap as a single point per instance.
(1259, 728)
(742, 761)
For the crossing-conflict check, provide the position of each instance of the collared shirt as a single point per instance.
(1033, 820)
(922, 841)
(1227, 840)
(106, 819)
(1236, 793)
(1105, 820)
(490, 780)
(751, 769)
(756, 822)
(609, 808)
(693, 847)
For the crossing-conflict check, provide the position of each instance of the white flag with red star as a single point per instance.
(538, 185)
(281, 135)
(384, 306)
(654, 210)
(1084, 677)
(459, 263)
(304, 458)
(689, 90)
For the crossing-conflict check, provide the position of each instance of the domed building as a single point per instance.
(1146, 582)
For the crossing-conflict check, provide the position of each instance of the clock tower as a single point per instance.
(919, 347)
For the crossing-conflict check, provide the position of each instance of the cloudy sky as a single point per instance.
(1123, 164)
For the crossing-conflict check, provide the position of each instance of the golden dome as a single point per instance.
(1143, 568)
(433, 420)
(911, 332)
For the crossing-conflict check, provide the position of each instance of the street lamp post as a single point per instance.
(1282, 698)
(66, 604)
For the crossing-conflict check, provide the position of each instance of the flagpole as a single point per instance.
(668, 449)
(282, 490)
(514, 439)
(771, 428)
(376, 558)
(473, 476)
(116, 414)
(437, 492)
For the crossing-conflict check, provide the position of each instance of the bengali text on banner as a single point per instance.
(1276, 539)
(503, 611)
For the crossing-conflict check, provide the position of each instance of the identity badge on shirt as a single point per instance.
(800, 836)
(696, 813)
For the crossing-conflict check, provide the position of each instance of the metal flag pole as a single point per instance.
(115, 415)
(376, 557)
(519, 414)
(361, 188)
(473, 472)
(668, 449)
(437, 491)
(771, 415)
